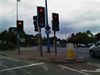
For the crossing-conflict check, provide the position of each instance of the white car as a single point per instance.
(94, 50)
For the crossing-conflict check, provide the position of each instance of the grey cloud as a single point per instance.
(64, 30)
(89, 16)
(6, 23)
(70, 21)
(93, 27)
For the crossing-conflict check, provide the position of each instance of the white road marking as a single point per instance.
(97, 70)
(45, 67)
(21, 67)
(29, 73)
(11, 72)
(13, 59)
(62, 67)
(97, 65)
(16, 60)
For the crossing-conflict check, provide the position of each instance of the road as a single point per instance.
(11, 66)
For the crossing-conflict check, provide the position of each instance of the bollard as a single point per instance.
(70, 53)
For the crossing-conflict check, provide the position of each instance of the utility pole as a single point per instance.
(46, 23)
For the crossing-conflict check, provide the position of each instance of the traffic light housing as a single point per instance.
(19, 25)
(55, 21)
(41, 16)
(35, 23)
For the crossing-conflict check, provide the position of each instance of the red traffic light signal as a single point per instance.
(41, 16)
(20, 25)
(41, 11)
(55, 17)
(55, 21)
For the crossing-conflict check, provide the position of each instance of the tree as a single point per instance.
(11, 37)
(8, 40)
(83, 37)
(89, 33)
(71, 39)
(97, 36)
(3, 36)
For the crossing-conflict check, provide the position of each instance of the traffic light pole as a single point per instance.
(40, 41)
(16, 26)
(46, 22)
(55, 43)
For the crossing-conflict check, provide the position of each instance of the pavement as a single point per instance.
(34, 53)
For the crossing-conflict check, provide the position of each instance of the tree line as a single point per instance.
(84, 38)
(8, 39)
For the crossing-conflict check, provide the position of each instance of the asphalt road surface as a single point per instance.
(11, 66)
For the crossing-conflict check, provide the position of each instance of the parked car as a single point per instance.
(82, 45)
(94, 50)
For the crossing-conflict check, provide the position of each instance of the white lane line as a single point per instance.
(73, 70)
(97, 70)
(21, 67)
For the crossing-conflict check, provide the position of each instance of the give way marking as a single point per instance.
(97, 70)
(64, 67)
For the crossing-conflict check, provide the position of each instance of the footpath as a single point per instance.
(34, 53)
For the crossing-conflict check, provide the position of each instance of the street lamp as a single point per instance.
(16, 26)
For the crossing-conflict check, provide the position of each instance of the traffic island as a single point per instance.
(60, 58)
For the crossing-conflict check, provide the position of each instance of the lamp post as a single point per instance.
(16, 26)
(46, 23)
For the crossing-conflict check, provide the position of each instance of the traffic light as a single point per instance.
(35, 23)
(55, 21)
(20, 25)
(41, 16)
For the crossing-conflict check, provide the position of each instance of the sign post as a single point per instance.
(46, 23)
(55, 27)
(55, 44)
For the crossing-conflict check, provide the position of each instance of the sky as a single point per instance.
(75, 15)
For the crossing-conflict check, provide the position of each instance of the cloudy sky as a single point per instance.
(75, 15)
